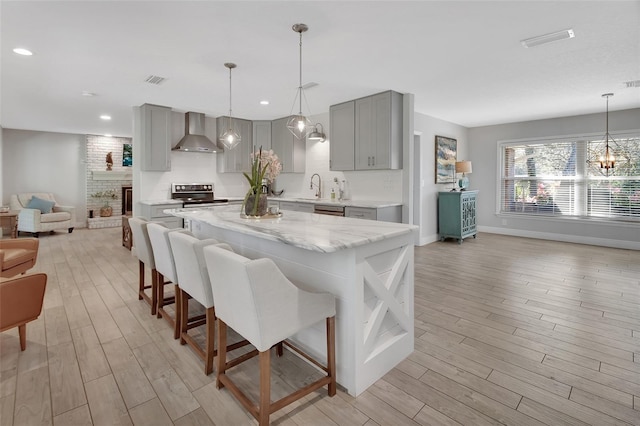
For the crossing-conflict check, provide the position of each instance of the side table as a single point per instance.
(10, 218)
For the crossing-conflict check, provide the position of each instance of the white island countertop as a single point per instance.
(321, 233)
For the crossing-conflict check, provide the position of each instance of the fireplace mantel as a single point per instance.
(112, 175)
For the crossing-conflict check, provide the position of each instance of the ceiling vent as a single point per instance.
(154, 79)
(630, 84)
(548, 38)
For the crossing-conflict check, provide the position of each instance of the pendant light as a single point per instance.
(607, 161)
(230, 138)
(298, 124)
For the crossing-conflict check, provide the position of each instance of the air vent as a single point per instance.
(630, 84)
(548, 38)
(154, 79)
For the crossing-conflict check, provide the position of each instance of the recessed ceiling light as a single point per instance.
(108, 135)
(548, 38)
(264, 102)
(22, 51)
(87, 93)
(105, 117)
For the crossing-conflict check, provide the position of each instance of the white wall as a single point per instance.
(45, 162)
(1, 171)
(427, 128)
(484, 154)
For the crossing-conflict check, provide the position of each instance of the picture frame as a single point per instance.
(127, 155)
(446, 153)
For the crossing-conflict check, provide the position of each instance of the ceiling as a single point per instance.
(462, 60)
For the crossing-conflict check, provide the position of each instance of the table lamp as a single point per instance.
(463, 167)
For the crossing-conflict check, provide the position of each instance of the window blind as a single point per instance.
(562, 177)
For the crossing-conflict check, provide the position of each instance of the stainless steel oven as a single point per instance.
(195, 195)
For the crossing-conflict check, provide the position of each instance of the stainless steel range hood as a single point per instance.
(194, 139)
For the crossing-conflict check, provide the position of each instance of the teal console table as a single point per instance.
(457, 215)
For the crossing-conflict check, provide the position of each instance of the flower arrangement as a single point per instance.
(265, 168)
(270, 160)
(106, 195)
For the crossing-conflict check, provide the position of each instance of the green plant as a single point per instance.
(106, 195)
(255, 181)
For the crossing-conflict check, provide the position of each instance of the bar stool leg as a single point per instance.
(331, 354)
(177, 328)
(222, 352)
(209, 351)
(265, 387)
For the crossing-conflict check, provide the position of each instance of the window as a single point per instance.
(562, 177)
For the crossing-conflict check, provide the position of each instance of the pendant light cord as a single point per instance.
(230, 110)
(300, 86)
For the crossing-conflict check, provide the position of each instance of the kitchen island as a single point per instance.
(367, 265)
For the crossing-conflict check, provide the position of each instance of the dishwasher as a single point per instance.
(328, 209)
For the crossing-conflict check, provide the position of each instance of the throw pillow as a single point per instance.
(44, 206)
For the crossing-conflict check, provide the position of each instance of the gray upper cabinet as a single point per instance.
(342, 136)
(235, 160)
(287, 147)
(261, 135)
(372, 139)
(378, 134)
(155, 132)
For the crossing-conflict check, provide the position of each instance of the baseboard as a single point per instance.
(578, 239)
(424, 240)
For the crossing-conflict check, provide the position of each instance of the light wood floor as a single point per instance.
(508, 331)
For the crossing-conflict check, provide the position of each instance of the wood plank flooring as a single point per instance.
(508, 331)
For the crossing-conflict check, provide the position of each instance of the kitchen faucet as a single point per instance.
(319, 185)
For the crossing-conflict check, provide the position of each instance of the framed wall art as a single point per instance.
(446, 151)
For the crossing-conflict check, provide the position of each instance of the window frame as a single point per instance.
(579, 180)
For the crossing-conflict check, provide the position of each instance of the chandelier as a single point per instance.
(607, 161)
(230, 138)
(298, 124)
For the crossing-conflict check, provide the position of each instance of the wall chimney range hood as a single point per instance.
(194, 139)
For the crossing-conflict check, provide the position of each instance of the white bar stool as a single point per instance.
(166, 269)
(144, 253)
(255, 299)
(194, 283)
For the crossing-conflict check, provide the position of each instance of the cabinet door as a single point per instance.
(287, 147)
(381, 133)
(235, 160)
(361, 213)
(156, 138)
(342, 136)
(261, 135)
(364, 142)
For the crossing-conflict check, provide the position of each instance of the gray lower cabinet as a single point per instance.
(298, 207)
(154, 131)
(457, 214)
(155, 213)
(235, 160)
(386, 214)
(342, 136)
(290, 150)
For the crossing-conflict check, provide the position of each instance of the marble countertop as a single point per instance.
(343, 203)
(159, 202)
(308, 231)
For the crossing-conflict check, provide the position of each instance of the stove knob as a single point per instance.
(209, 187)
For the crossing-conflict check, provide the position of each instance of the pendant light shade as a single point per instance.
(230, 139)
(607, 160)
(299, 124)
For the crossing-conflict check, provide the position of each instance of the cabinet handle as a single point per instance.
(373, 160)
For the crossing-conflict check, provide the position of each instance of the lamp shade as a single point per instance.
(463, 167)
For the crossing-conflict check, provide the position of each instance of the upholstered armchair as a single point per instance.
(39, 212)
(21, 302)
(17, 256)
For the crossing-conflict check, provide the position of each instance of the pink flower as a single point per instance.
(269, 158)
